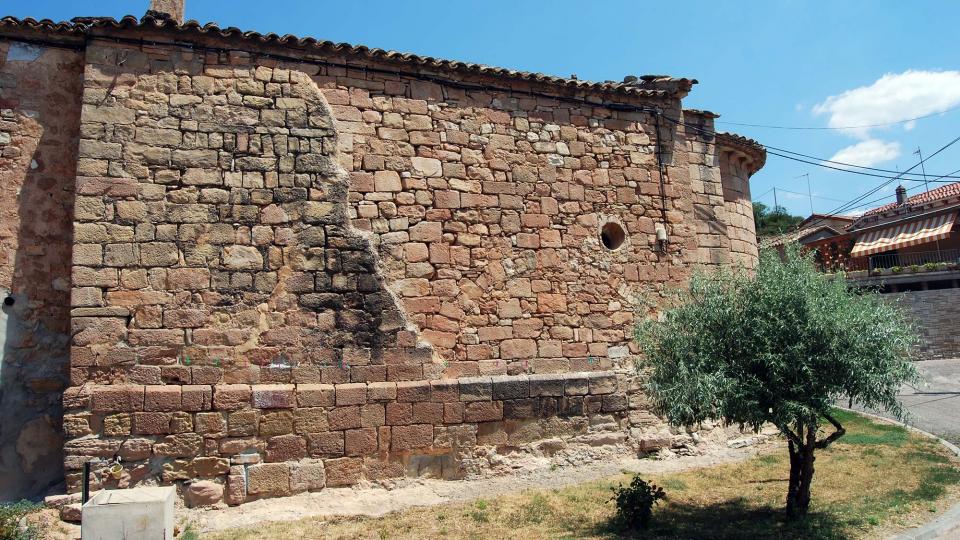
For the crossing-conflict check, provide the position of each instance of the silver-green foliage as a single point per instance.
(781, 347)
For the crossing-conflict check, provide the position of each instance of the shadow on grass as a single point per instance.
(728, 520)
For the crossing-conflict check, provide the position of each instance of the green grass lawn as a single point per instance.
(876, 479)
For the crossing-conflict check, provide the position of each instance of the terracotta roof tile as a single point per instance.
(942, 192)
(654, 85)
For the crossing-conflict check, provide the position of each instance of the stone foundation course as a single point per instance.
(267, 440)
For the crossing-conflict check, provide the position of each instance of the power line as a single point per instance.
(825, 128)
(820, 162)
(918, 186)
(809, 195)
(852, 203)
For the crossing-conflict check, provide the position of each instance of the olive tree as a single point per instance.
(777, 347)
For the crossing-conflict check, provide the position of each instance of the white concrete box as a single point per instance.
(144, 513)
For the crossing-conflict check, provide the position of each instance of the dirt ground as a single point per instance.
(376, 501)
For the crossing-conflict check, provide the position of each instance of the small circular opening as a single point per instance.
(8, 301)
(612, 236)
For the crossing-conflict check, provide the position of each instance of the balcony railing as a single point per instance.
(916, 261)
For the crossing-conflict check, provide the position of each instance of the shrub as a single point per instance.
(10, 516)
(931, 266)
(896, 269)
(635, 502)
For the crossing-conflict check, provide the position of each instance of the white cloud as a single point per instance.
(893, 97)
(868, 153)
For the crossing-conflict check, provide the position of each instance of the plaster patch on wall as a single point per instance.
(24, 52)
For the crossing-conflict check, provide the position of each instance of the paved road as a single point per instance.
(935, 405)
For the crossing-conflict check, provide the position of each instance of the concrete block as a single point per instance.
(144, 513)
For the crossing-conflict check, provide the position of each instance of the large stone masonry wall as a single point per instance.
(487, 209)
(39, 119)
(289, 275)
(213, 249)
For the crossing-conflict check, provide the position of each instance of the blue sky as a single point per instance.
(757, 62)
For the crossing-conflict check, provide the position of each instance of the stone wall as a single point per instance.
(720, 170)
(39, 112)
(935, 313)
(290, 274)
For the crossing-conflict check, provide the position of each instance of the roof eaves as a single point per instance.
(648, 86)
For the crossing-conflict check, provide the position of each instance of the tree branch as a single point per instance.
(840, 432)
(790, 435)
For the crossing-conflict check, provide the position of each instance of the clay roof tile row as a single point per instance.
(656, 86)
(942, 192)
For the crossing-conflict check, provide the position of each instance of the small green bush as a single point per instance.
(10, 516)
(896, 269)
(635, 502)
(931, 266)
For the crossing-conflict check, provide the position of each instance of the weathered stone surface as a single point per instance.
(203, 493)
(274, 261)
(271, 479)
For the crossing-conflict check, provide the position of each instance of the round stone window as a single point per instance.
(612, 236)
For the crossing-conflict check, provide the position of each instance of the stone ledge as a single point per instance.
(227, 397)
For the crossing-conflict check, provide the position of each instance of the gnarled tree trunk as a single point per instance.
(802, 444)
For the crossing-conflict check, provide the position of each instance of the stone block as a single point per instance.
(411, 437)
(307, 475)
(483, 411)
(576, 384)
(230, 397)
(268, 479)
(236, 489)
(162, 398)
(326, 444)
(382, 391)
(202, 493)
(276, 422)
(453, 413)
(510, 387)
(426, 412)
(603, 383)
(521, 408)
(310, 420)
(197, 397)
(117, 398)
(360, 442)
(413, 391)
(546, 385)
(372, 415)
(445, 390)
(399, 414)
(316, 395)
(341, 418)
(614, 403)
(151, 423)
(343, 471)
(476, 389)
(286, 448)
(351, 394)
(273, 396)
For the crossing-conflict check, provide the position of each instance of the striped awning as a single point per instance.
(899, 236)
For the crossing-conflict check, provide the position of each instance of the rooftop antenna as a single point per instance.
(923, 169)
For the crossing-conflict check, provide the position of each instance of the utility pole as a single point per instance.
(809, 191)
(926, 186)
(775, 205)
(923, 170)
